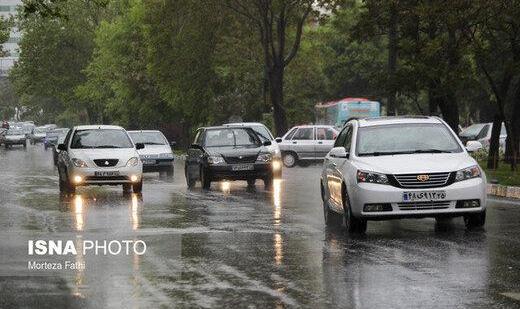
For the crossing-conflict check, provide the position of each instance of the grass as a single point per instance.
(503, 174)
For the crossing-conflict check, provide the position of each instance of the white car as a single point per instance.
(306, 143)
(99, 155)
(15, 137)
(482, 132)
(158, 154)
(388, 168)
(265, 135)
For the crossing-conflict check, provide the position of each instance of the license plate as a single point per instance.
(424, 196)
(106, 173)
(148, 162)
(242, 167)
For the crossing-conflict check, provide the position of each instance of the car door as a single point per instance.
(334, 167)
(303, 143)
(325, 137)
(63, 156)
(195, 155)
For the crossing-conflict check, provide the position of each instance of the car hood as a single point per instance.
(154, 149)
(415, 163)
(88, 155)
(235, 150)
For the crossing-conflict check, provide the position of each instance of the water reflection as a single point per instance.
(225, 187)
(79, 213)
(79, 278)
(278, 249)
(277, 200)
(82, 207)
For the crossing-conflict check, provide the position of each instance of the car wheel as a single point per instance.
(251, 182)
(190, 182)
(138, 187)
(331, 217)
(268, 182)
(126, 188)
(6, 146)
(169, 173)
(475, 220)
(289, 159)
(205, 178)
(352, 224)
(25, 145)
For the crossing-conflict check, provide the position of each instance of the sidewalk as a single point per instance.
(503, 191)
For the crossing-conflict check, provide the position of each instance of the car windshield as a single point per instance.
(405, 139)
(473, 130)
(100, 138)
(263, 133)
(231, 137)
(148, 138)
(15, 132)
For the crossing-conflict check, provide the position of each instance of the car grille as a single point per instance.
(411, 181)
(106, 162)
(105, 178)
(424, 205)
(240, 159)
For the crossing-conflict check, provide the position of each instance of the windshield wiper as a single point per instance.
(431, 151)
(106, 146)
(384, 153)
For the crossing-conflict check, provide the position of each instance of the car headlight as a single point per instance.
(215, 160)
(264, 157)
(132, 161)
(468, 173)
(371, 177)
(79, 163)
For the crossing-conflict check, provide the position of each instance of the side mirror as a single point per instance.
(62, 147)
(139, 146)
(338, 152)
(267, 143)
(196, 146)
(278, 139)
(173, 143)
(472, 146)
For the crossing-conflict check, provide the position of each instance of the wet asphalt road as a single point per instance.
(233, 247)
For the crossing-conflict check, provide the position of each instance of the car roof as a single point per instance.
(314, 126)
(387, 120)
(144, 131)
(239, 124)
(93, 127)
(223, 127)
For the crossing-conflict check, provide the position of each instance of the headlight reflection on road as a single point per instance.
(79, 213)
(135, 211)
(277, 200)
(278, 248)
(225, 186)
(80, 272)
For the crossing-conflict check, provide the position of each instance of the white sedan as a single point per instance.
(389, 168)
(99, 155)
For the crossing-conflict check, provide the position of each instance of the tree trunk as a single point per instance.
(276, 75)
(494, 144)
(450, 111)
(392, 60)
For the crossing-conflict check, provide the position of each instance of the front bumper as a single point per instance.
(15, 142)
(226, 172)
(367, 193)
(159, 165)
(89, 177)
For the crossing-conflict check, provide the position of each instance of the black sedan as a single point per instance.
(226, 153)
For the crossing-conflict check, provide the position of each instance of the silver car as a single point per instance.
(307, 143)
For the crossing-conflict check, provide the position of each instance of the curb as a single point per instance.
(503, 191)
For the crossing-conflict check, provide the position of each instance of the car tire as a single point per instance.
(475, 220)
(268, 182)
(169, 172)
(289, 159)
(6, 146)
(251, 182)
(126, 188)
(352, 224)
(205, 179)
(331, 218)
(25, 145)
(138, 187)
(190, 182)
